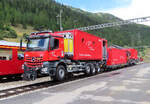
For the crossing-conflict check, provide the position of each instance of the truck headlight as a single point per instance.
(45, 70)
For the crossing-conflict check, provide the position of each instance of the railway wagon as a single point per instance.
(11, 59)
(11, 67)
(132, 56)
(116, 58)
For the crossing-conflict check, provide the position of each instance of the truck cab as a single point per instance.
(42, 48)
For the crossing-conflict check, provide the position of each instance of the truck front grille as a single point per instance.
(34, 61)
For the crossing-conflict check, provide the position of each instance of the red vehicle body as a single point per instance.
(66, 52)
(132, 55)
(12, 67)
(86, 46)
(116, 57)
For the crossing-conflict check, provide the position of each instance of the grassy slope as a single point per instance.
(20, 31)
(147, 55)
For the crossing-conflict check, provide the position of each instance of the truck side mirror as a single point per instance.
(52, 43)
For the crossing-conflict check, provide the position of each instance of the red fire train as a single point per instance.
(61, 53)
(10, 60)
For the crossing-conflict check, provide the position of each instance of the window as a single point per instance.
(5, 54)
(104, 43)
(38, 44)
(82, 40)
(20, 56)
(56, 44)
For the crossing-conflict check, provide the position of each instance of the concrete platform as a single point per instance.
(125, 86)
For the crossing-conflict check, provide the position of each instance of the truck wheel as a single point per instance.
(93, 70)
(88, 69)
(98, 70)
(60, 73)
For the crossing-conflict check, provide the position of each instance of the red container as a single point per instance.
(116, 57)
(86, 46)
(133, 53)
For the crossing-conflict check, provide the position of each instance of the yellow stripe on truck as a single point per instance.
(65, 45)
(71, 45)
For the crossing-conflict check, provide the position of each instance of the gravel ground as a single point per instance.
(8, 85)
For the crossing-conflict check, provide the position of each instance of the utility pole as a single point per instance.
(60, 20)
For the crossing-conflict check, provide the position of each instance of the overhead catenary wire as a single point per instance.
(119, 23)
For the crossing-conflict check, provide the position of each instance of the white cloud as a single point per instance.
(137, 8)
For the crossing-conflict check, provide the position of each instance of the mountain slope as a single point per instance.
(42, 14)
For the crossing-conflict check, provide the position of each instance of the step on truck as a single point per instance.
(62, 53)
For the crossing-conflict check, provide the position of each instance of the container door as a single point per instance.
(104, 50)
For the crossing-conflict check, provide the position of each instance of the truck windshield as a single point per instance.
(38, 44)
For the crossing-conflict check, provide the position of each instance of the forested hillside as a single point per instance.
(42, 15)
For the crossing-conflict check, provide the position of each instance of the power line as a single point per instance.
(123, 22)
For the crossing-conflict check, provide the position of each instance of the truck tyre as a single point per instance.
(88, 69)
(60, 73)
(98, 70)
(93, 70)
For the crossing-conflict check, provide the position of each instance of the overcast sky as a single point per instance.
(125, 9)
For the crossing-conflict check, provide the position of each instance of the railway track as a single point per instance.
(45, 84)
(27, 88)
(33, 87)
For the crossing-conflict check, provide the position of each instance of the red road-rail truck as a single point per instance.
(62, 53)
